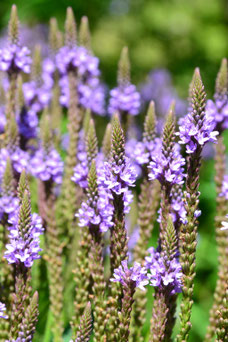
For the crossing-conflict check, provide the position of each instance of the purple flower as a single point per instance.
(217, 111)
(15, 59)
(27, 122)
(225, 187)
(167, 169)
(99, 213)
(36, 96)
(48, 70)
(19, 160)
(163, 273)
(118, 177)
(47, 166)
(124, 99)
(194, 134)
(91, 94)
(137, 274)
(77, 58)
(159, 88)
(8, 205)
(23, 247)
(178, 211)
(2, 309)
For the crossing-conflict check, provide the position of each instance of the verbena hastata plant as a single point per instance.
(80, 261)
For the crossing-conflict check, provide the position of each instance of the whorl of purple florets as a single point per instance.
(160, 89)
(36, 96)
(118, 178)
(101, 216)
(48, 70)
(141, 153)
(178, 210)
(91, 94)
(194, 134)
(15, 59)
(137, 274)
(77, 58)
(8, 205)
(19, 160)
(124, 99)
(224, 191)
(23, 248)
(2, 309)
(167, 170)
(47, 166)
(163, 273)
(217, 111)
(80, 174)
(81, 170)
(27, 122)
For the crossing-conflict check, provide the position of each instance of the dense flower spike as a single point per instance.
(124, 99)
(25, 229)
(15, 59)
(46, 163)
(163, 273)
(188, 232)
(196, 129)
(85, 327)
(136, 274)
(130, 279)
(96, 211)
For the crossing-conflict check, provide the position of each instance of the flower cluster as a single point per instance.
(27, 122)
(78, 58)
(36, 96)
(159, 88)
(124, 99)
(167, 169)
(8, 205)
(23, 248)
(15, 59)
(18, 158)
(47, 166)
(137, 274)
(118, 178)
(2, 309)
(224, 191)
(99, 213)
(217, 111)
(194, 134)
(91, 94)
(163, 272)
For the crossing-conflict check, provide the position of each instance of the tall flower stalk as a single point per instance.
(22, 250)
(195, 131)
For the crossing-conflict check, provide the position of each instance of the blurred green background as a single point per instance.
(176, 34)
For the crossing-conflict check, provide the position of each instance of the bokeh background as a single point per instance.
(177, 35)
